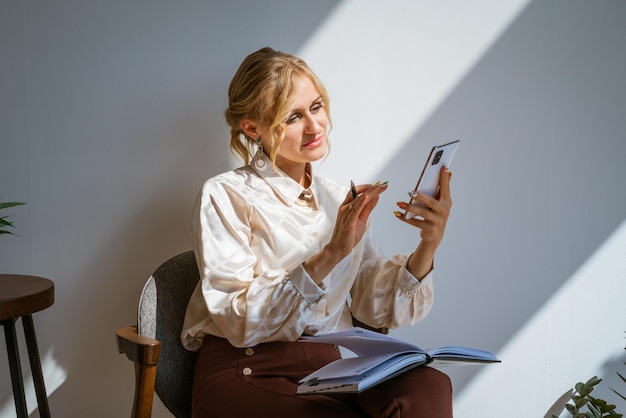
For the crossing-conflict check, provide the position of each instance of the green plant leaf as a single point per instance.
(584, 389)
(597, 401)
(10, 204)
(3, 222)
(580, 402)
(594, 410)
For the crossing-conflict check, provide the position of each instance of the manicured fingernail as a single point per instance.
(412, 194)
(385, 184)
(377, 184)
(397, 214)
(401, 205)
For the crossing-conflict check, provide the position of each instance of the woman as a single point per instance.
(282, 253)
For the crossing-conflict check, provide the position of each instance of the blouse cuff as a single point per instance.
(411, 283)
(305, 285)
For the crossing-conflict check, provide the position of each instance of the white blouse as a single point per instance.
(251, 235)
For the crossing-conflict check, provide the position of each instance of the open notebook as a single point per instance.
(378, 358)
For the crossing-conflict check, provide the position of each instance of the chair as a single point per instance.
(156, 339)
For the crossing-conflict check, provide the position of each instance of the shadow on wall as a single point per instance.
(125, 122)
(610, 379)
(514, 236)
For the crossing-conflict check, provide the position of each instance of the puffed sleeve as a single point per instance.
(236, 297)
(385, 293)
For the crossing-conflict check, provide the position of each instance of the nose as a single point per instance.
(313, 126)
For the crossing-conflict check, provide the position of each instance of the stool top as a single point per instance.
(23, 295)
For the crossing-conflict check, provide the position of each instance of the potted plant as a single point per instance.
(3, 219)
(580, 404)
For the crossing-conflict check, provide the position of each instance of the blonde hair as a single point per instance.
(263, 90)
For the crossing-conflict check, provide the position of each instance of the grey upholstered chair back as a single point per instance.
(161, 314)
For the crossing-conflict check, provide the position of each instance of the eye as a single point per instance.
(317, 106)
(293, 118)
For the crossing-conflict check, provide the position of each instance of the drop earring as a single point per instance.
(260, 162)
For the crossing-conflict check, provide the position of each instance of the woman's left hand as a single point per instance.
(432, 217)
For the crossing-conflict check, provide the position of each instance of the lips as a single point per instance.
(314, 143)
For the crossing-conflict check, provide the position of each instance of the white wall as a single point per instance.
(111, 117)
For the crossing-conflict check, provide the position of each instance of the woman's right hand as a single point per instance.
(349, 229)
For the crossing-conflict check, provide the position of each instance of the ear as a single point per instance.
(250, 128)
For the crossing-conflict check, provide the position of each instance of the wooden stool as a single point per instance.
(20, 297)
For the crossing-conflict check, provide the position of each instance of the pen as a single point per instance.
(353, 189)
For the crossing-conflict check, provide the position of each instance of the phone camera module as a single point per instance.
(437, 157)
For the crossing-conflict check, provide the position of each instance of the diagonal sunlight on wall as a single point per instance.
(572, 312)
(385, 81)
(382, 95)
(53, 375)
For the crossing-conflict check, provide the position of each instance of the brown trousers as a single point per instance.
(261, 382)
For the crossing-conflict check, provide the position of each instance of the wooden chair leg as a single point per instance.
(144, 352)
(144, 395)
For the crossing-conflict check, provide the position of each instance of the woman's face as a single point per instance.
(305, 128)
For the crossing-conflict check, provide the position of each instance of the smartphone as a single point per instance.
(428, 183)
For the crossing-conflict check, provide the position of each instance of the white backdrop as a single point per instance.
(111, 118)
